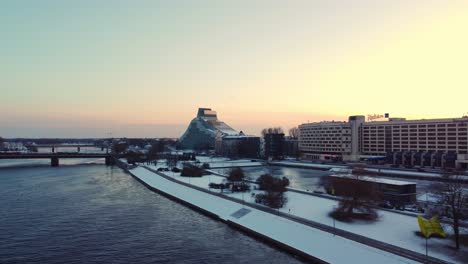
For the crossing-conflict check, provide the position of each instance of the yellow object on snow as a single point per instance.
(431, 226)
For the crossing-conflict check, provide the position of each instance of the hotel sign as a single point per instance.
(377, 116)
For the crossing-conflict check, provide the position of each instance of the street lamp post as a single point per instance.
(427, 253)
(242, 189)
(334, 227)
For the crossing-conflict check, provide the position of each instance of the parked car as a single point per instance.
(387, 205)
(414, 208)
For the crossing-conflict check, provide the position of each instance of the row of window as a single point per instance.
(431, 147)
(421, 140)
(461, 124)
(454, 135)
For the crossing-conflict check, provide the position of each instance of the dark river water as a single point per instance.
(305, 179)
(96, 214)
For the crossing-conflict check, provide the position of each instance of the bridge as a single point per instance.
(78, 147)
(55, 157)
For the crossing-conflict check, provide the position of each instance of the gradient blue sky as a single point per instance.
(142, 68)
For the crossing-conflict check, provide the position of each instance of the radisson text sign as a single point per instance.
(377, 116)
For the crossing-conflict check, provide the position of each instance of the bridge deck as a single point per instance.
(67, 146)
(52, 155)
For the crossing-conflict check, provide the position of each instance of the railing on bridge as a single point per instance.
(78, 147)
(54, 157)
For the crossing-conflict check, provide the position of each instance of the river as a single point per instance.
(85, 212)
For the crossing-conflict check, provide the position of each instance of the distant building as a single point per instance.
(274, 144)
(238, 146)
(291, 147)
(425, 142)
(202, 130)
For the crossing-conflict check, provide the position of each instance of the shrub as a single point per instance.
(271, 199)
(217, 185)
(240, 187)
(191, 171)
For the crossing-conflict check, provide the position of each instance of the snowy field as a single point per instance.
(320, 244)
(308, 165)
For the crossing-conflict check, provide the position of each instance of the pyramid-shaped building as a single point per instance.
(203, 129)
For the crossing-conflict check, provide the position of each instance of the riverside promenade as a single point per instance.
(310, 243)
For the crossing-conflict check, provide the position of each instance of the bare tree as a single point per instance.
(294, 132)
(171, 161)
(453, 198)
(236, 175)
(1, 143)
(272, 130)
(359, 195)
(274, 190)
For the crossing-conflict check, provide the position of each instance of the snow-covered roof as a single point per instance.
(223, 127)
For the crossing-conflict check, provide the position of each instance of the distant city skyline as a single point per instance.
(142, 68)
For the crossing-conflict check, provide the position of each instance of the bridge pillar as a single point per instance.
(78, 149)
(54, 162)
(53, 149)
(109, 161)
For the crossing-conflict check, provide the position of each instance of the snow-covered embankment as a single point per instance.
(299, 239)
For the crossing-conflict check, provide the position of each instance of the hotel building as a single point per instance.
(425, 142)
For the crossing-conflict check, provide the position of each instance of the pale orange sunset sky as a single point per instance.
(142, 68)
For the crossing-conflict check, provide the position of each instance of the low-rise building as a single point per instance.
(274, 144)
(393, 191)
(291, 147)
(237, 146)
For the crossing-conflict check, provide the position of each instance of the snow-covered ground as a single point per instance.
(403, 172)
(323, 245)
(393, 228)
(307, 165)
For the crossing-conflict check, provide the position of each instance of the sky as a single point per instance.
(142, 68)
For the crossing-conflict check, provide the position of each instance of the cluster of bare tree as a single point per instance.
(294, 132)
(272, 130)
(190, 170)
(237, 180)
(236, 175)
(358, 198)
(274, 190)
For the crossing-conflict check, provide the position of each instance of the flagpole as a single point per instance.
(427, 234)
